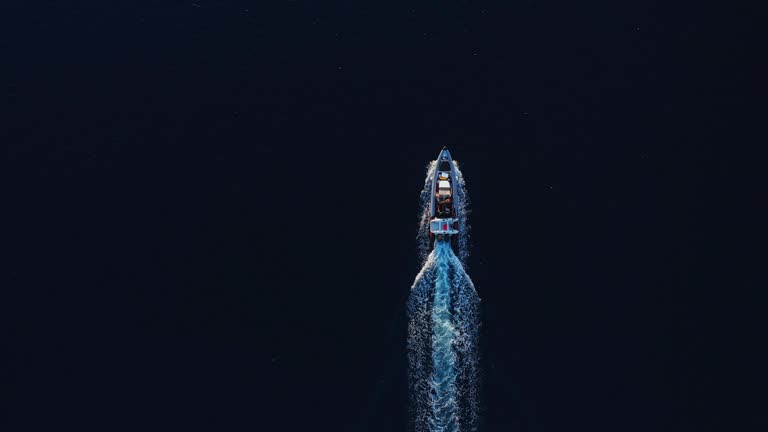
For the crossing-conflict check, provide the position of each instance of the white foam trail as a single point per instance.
(443, 329)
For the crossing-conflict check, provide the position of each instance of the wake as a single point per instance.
(443, 311)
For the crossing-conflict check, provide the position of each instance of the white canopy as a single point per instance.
(444, 187)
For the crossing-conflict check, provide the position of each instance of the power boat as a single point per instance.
(443, 216)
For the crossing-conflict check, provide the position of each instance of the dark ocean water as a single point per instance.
(213, 211)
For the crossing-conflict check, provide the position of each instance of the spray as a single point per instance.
(443, 311)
